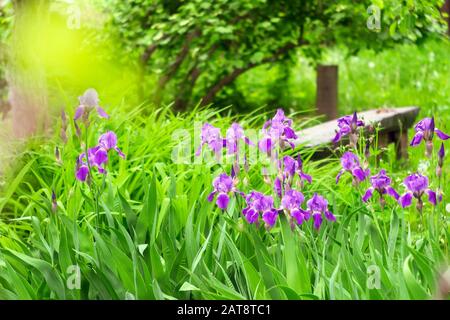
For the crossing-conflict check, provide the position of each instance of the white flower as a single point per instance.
(447, 207)
(371, 64)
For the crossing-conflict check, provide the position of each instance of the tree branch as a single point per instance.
(179, 59)
(188, 84)
(229, 78)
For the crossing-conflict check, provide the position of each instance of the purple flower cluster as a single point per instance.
(289, 168)
(380, 183)
(291, 202)
(223, 187)
(350, 163)
(97, 156)
(288, 183)
(417, 186)
(348, 125)
(317, 207)
(260, 207)
(88, 102)
(277, 131)
(425, 130)
(211, 137)
(260, 204)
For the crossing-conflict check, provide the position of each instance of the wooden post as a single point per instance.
(402, 144)
(327, 91)
(383, 142)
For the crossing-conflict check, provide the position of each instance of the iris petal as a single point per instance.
(405, 200)
(359, 174)
(270, 217)
(211, 196)
(306, 177)
(222, 201)
(82, 173)
(337, 137)
(317, 220)
(416, 139)
(368, 194)
(441, 134)
(431, 196)
(339, 176)
(330, 216)
(391, 191)
(102, 113)
(79, 112)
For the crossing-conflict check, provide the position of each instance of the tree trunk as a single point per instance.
(327, 91)
(223, 82)
(173, 68)
(230, 77)
(26, 74)
(186, 88)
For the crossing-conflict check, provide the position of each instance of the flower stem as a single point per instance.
(92, 184)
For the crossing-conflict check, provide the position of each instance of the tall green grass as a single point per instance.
(156, 236)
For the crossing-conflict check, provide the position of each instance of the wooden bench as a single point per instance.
(394, 124)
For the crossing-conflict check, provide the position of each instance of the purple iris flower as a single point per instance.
(54, 202)
(82, 170)
(425, 130)
(89, 101)
(318, 206)
(292, 167)
(234, 135)
(417, 186)
(277, 187)
(97, 156)
(382, 184)
(108, 141)
(289, 168)
(210, 136)
(259, 203)
(292, 202)
(277, 131)
(350, 163)
(223, 186)
(441, 155)
(348, 125)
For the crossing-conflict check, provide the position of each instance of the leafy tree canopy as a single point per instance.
(199, 47)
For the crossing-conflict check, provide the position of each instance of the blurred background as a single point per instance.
(315, 57)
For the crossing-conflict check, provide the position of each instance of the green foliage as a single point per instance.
(199, 48)
(156, 236)
(405, 75)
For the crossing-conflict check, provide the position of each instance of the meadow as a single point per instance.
(145, 230)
